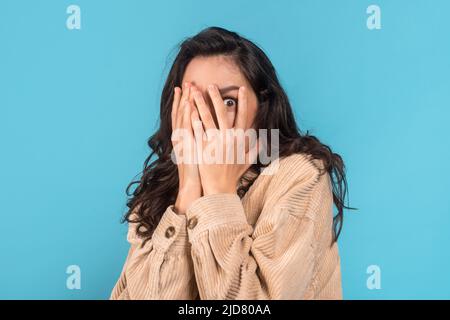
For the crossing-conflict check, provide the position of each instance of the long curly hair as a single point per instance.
(158, 186)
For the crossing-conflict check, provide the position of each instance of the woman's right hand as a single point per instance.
(183, 143)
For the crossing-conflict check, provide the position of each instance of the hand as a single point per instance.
(184, 149)
(222, 174)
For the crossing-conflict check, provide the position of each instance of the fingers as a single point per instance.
(197, 127)
(180, 108)
(241, 116)
(196, 123)
(175, 103)
(203, 110)
(188, 141)
(186, 121)
(219, 106)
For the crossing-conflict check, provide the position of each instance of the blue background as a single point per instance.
(77, 107)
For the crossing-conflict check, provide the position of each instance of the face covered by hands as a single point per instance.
(212, 112)
(224, 152)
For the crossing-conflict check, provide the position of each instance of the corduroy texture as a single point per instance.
(274, 243)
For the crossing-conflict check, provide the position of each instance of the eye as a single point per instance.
(230, 102)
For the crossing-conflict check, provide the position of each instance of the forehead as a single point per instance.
(218, 70)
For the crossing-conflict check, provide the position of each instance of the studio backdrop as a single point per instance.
(80, 85)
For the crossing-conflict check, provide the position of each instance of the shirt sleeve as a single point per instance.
(275, 259)
(161, 268)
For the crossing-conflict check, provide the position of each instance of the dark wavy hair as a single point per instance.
(158, 185)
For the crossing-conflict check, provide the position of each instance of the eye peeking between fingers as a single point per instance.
(230, 102)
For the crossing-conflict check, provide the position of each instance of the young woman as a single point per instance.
(232, 230)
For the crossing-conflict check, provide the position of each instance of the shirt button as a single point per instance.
(192, 222)
(170, 231)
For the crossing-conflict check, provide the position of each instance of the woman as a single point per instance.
(232, 230)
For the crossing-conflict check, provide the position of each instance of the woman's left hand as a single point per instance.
(224, 153)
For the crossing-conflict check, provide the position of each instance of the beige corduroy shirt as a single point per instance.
(274, 243)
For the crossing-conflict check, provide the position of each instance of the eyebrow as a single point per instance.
(228, 88)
